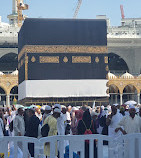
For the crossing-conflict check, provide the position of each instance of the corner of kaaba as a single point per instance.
(63, 61)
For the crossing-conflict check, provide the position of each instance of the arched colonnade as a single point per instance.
(124, 87)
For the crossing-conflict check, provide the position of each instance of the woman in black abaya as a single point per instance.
(87, 123)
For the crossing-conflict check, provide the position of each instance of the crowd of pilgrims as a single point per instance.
(109, 120)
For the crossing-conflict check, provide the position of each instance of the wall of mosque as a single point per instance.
(129, 50)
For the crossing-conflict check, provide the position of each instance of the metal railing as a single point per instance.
(127, 145)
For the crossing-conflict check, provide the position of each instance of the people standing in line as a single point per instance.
(2, 122)
(32, 129)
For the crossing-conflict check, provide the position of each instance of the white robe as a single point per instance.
(131, 125)
(114, 122)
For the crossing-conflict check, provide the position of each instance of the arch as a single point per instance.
(113, 88)
(116, 63)
(4, 89)
(9, 62)
(14, 93)
(130, 92)
(4, 51)
(14, 90)
(130, 85)
(114, 93)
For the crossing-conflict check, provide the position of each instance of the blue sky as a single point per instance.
(65, 9)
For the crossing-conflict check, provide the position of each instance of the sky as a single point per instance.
(66, 8)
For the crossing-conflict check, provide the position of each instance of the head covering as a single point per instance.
(47, 108)
(74, 109)
(132, 107)
(32, 109)
(43, 107)
(87, 118)
(116, 104)
(102, 107)
(79, 114)
(63, 106)
(57, 110)
(57, 106)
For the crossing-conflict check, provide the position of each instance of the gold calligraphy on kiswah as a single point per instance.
(62, 49)
(81, 59)
(49, 59)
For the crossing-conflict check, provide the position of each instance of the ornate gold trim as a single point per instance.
(81, 59)
(62, 49)
(19, 66)
(106, 59)
(26, 66)
(107, 68)
(65, 60)
(22, 61)
(49, 59)
(97, 59)
(33, 59)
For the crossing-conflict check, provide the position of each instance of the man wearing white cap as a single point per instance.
(131, 123)
(112, 120)
(47, 112)
(60, 121)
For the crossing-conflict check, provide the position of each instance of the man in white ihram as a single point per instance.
(112, 121)
(131, 124)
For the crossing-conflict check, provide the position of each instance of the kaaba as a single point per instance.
(62, 58)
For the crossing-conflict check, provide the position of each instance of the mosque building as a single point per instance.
(124, 46)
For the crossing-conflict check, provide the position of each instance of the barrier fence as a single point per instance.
(127, 146)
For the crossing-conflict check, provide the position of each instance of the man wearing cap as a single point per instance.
(52, 122)
(60, 121)
(47, 112)
(112, 120)
(131, 123)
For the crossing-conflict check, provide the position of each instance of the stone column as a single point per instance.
(111, 98)
(8, 100)
(116, 98)
(138, 98)
(121, 98)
